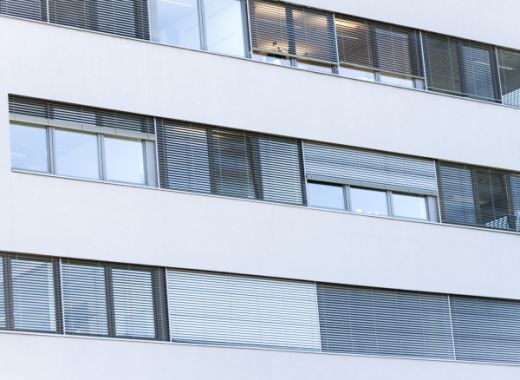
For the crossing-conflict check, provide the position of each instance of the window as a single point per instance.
(302, 36)
(3, 313)
(33, 294)
(369, 201)
(29, 148)
(82, 142)
(31, 9)
(509, 69)
(214, 25)
(84, 299)
(326, 196)
(460, 67)
(409, 206)
(478, 196)
(134, 312)
(374, 51)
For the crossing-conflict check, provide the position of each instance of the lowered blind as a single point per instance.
(331, 163)
(384, 322)
(292, 30)
(380, 46)
(122, 17)
(460, 67)
(33, 293)
(31, 9)
(509, 70)
(3, 314)
(239, 310)
(486, 329)
(80, 114)
(84, 299)
(229, 162)
(478, 196)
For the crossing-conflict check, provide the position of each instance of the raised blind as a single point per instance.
(3, 313)
(384, 322)
(229, 162)
(330, 163)
(291, 30)
(84, 299)
(378, 46)
(243, 311)
(486, 329)
(33, 295)
(509, 70)
(460, 67)
(80, 114)
(30, 9)
(479, 196)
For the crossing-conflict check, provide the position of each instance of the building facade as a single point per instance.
(256, 189)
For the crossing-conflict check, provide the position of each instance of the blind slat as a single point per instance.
(30, 9)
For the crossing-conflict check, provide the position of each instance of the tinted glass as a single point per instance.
(224, 26)
(327, 196)
(124, 160)
(76, 154)
(84, 299)
(29, 148)
(133, 303)
(175, 22)
(33, 295)
(409, 206)
(368, 201)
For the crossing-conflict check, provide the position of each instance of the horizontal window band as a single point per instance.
(109, 131)
(367, 184)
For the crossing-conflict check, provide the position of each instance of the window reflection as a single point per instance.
(29, 148)
(357, 73)
(409, 206)
(397, 80)
(224, 26)
(76, 154)
(326, 196)
(369, 201)
(124, 160)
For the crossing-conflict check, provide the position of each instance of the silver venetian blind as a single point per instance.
(134, 310)
(20, 105)
(3, 314)
(509, 70)
(34, 307)
(31, 9)
(384, 322)
(486, 329)
(84, 299)
(122, 17)
(330, 163)
(292, 30)
(240, 310)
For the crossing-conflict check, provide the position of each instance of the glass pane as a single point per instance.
(327, 196)
(31, 9)
(409, 206)
(133, 303)
(175, 22)
(307, 65)
(3, 320)
(368, 201)
(84, 299)
(457, 195)
(515, 191)
(33, 295)
(492, 199)
(396, 80)
(124, 160)
(478, 77)
(29, 148)
(224, 26)
(509, 68)
(272, 58)
(76, 154)
(357, 74)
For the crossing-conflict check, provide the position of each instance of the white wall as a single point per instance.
(26, 357)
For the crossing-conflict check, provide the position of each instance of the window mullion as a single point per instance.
(202, 25)
(101, 157)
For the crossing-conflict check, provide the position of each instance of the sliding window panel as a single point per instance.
(29, 148)
(509, 69)
(121, 17)
(515, 193)
(3, 311)
(225, 26)
(183, 156)
(457, 196)
(76, 154)
(486, 329)
(330, 163)
(34, 304)
(291, 30)
(492, 199)
(176, 22)
(354, 41)
(384, 322)
(30, 9)
(133, 303)
(243, 311)
(479, 79)
(84, 299)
